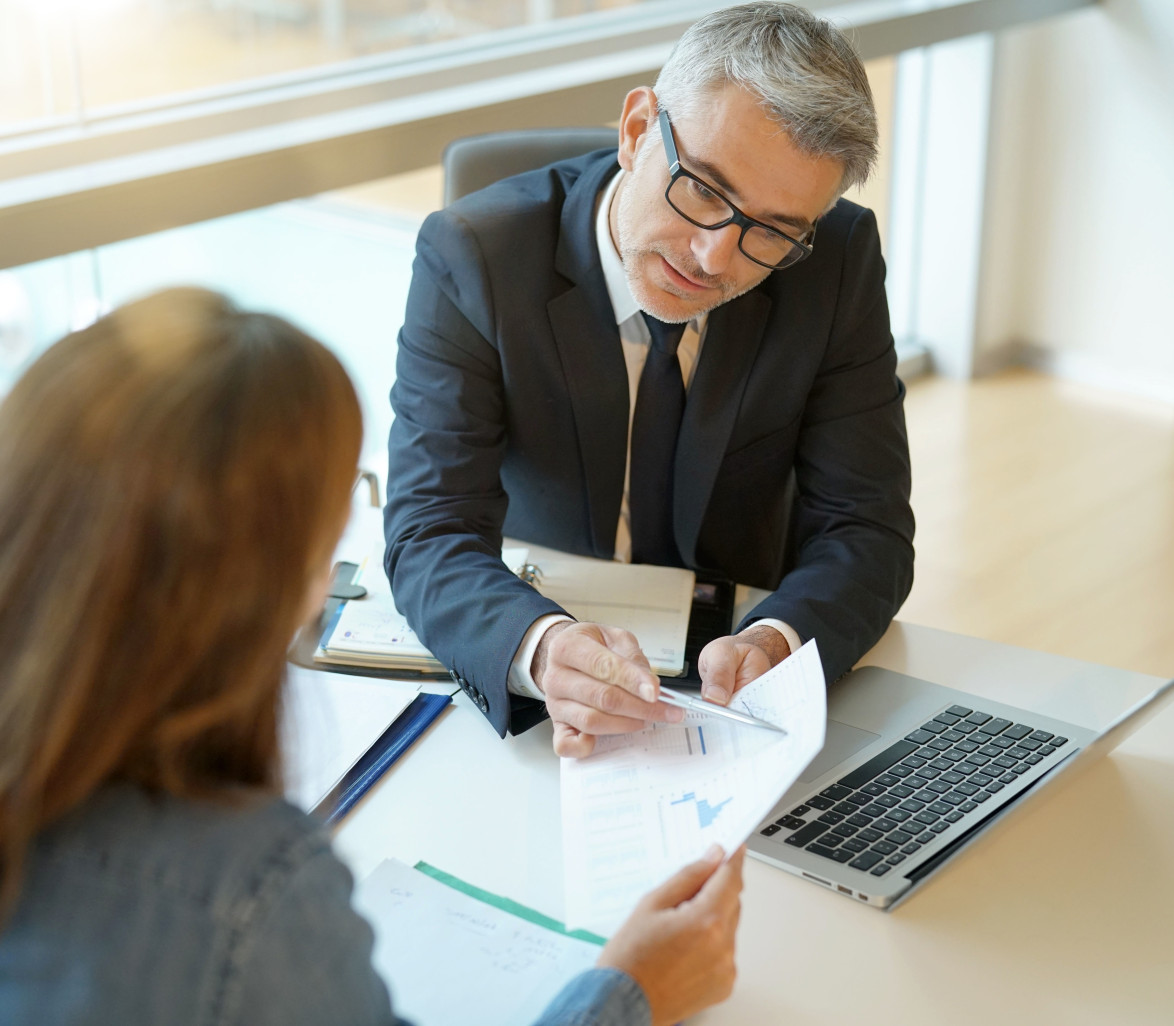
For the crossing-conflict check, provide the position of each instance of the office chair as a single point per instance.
(480, 160)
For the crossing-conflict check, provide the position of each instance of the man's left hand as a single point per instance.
(728, 664)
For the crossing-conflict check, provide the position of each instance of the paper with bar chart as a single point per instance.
(645, 804)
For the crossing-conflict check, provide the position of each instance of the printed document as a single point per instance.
(646, 804)
(448, 958)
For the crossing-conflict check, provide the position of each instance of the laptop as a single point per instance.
(911, 774)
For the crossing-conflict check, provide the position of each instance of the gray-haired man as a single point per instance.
(676, 353)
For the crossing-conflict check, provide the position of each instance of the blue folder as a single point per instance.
(392, 743)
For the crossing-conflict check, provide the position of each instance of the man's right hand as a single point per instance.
(596, 681)
(679, 942)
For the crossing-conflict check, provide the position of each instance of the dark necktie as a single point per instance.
(656, 422)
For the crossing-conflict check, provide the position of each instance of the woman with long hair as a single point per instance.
(173, 480)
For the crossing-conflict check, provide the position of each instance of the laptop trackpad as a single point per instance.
(841, 742)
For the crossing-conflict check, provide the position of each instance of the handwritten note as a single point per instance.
(449, 958)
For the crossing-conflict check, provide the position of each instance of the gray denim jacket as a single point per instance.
(141, 909)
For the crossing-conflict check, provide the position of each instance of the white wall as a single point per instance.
(1079, 248)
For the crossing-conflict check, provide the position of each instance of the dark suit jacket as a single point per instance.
(511, 413)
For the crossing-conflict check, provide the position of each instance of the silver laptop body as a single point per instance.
(911, 774)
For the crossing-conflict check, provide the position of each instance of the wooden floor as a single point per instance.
(1045, 517)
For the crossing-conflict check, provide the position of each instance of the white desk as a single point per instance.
(1065, 914)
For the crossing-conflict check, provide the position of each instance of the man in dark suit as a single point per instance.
(649, 354)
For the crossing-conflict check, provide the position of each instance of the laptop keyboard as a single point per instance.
(934, 780)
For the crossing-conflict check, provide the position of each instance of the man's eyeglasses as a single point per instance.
(702, 205)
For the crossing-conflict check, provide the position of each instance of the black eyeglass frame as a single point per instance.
(736, 216)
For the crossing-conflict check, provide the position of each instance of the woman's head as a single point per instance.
(172, 479)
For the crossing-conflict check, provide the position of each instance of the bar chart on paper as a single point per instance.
(647, 803)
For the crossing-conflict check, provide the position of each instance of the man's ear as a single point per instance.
(637, 118)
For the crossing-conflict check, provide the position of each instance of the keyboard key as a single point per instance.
(939, 826)
(967, 806)
(994, 787)
(854, 844)
(884, 847)
(800, 810)
(1005, 763)
(926, 796)
(913, 762)
(895, 859)
(948, 718)
(973, 784)
(1020, 767)
(926, 817)
(844, 809)
(837, 792)
(919, 736)
(887, 780)
(820, 802)
(996, 726)
(954, 798)
(954, 756)
(978, 718)
(773, 828)
(953, 777)
(844, 830)
(1008, 778)
(830, 840)
(887, 801)
(900, 815)
(991, 751)
(977, 759)
(1018, 753)
(953, 817)
(873, 789)
(982, 796)
(963, 727)
(966, 746)
(925, 836)
(839, 854)
(1033, 758)
(901, 771)
(877, 765)
(941, 786)
(880, 870)
(830, 818)
(959, 710)
(791, 822)
(900, 837)
(1041, 735)
(934, 727)
(1058, 742)
(1017, 731)
(865, 861)
(912, 805)
(809, 833)
(951, 736)
(884, 825)
(859, 798)
(941, 764)
(859, 821)
(1029, 744)
(938, 744)
(911, 848)
(941, 808)
(1002, 742)
(869, 835)
(901, 791)
(927, 773)
(872, 811)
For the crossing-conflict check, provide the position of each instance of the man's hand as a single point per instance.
(729, 664)
(596, 681)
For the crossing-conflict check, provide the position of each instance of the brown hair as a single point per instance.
(171, 480)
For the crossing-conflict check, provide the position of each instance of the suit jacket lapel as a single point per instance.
(588, 342)
(732, 338)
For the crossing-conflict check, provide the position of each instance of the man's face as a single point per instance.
(675, 269)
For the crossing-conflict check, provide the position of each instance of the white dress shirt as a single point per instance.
(635, 340)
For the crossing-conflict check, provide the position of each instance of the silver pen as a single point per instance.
(670, 697)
